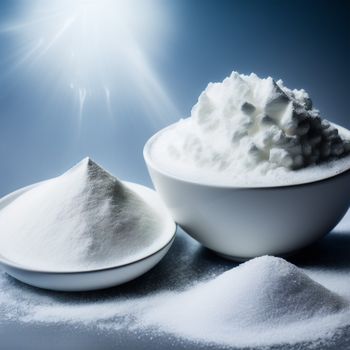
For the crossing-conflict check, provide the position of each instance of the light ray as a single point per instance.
(96, 48)
(57, 35)
(82, 97)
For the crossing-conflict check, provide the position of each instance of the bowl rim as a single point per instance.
(12, 264)
(152, 164)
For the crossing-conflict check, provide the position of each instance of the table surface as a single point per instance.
(186, 262)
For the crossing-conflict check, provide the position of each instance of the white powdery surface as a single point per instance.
(265, 301)
(252, 131)
(84, 219)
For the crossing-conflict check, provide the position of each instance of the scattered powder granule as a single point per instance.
(262, 302)
(265, 301)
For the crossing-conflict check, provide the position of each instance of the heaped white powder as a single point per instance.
(84, 219)
(266, 301)
(247, 126)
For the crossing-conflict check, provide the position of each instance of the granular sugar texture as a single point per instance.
(265, 301)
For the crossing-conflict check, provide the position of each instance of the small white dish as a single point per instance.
(98, 278)
(240, 223)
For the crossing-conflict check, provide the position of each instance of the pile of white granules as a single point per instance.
(252, 131)
(266, 301)
(84, 219)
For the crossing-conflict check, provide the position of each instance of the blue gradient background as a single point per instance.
(306, 43)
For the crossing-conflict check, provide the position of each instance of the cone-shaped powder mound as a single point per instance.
(83, 219)
(263, 301)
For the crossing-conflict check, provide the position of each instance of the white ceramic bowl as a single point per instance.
(241, 222)
(99, 278)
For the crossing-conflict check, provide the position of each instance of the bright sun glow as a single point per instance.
(95, 48)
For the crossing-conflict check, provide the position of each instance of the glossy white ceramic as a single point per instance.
(242, 222)
(94, 279)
